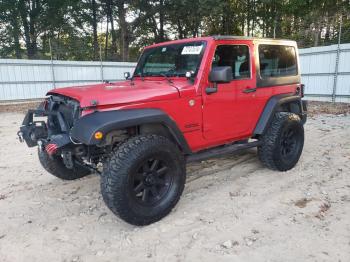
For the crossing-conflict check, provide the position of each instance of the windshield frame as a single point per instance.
(142, 60)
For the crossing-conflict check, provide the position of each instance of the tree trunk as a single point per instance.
(248, 17)
(24, 13)
(94, 28)
(110, 6)
(16, 33)
(161, 21)
(253, 16)
(327, 35)
(114, 38)
(124, 32)
(154, 28)
(58, 52)
(317, 35)
(33, 48)
(106, 41)
(179, 29)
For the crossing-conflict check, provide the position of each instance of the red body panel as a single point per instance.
(205, 120)
(118, 93)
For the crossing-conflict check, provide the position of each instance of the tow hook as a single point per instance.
(40, 146)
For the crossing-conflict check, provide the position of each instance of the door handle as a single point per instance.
(249, 90)
(211, 90)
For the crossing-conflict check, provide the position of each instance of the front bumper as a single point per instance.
(34, 131)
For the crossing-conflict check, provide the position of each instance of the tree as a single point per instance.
(124, 39)
(94, 26)
(30, 12)
(10, 24)
(109, 7)
(28, 27)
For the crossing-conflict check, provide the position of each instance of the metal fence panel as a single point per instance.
(29, 79)
(321, 75)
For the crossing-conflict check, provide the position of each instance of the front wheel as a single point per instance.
(55, 166)
(283, 142)
(143, 179)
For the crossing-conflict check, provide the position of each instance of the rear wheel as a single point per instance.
(55, 166)
(283, 142)
(143, 179)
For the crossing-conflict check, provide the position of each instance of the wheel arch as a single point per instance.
(145, 121)
(279, 103)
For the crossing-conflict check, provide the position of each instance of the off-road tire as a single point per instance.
(117, 182)
(55, 166)
(270, 151)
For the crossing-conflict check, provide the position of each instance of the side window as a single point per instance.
(236, 56)
(277, 61)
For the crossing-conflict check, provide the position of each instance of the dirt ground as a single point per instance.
(232, 209)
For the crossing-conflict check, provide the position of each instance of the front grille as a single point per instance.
(69, 109)
(67, 112)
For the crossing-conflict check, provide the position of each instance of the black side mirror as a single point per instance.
(127, 75)
(221, 74)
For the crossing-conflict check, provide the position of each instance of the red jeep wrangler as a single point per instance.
(187, 100)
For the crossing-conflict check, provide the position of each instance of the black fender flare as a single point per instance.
(271, 107)
(85, 127)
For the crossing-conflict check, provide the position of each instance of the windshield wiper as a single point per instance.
(167, 78)
(171, 83)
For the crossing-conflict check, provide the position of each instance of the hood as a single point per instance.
(119, 92)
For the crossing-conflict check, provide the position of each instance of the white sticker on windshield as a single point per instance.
(191, 50)
(163, 49)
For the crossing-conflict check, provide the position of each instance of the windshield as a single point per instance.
(171, 60)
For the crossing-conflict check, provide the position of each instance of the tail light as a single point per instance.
(51, 149)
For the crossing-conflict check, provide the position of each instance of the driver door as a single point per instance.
(229, 113)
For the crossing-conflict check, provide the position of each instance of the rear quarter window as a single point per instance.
(277, 61)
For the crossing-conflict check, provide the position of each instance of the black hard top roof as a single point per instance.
(261, 39)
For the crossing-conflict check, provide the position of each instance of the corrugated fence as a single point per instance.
(325, 72)
(29, 79)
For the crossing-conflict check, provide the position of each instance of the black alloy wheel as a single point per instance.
(289, 143)
(143, 179)
(152, 181)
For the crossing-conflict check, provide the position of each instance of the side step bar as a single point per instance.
(220, 151)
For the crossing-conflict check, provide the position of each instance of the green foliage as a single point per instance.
(116, 30)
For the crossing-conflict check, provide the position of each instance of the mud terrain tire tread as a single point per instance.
(115, 177)
(269, 150)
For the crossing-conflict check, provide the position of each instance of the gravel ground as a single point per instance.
(232, 209)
